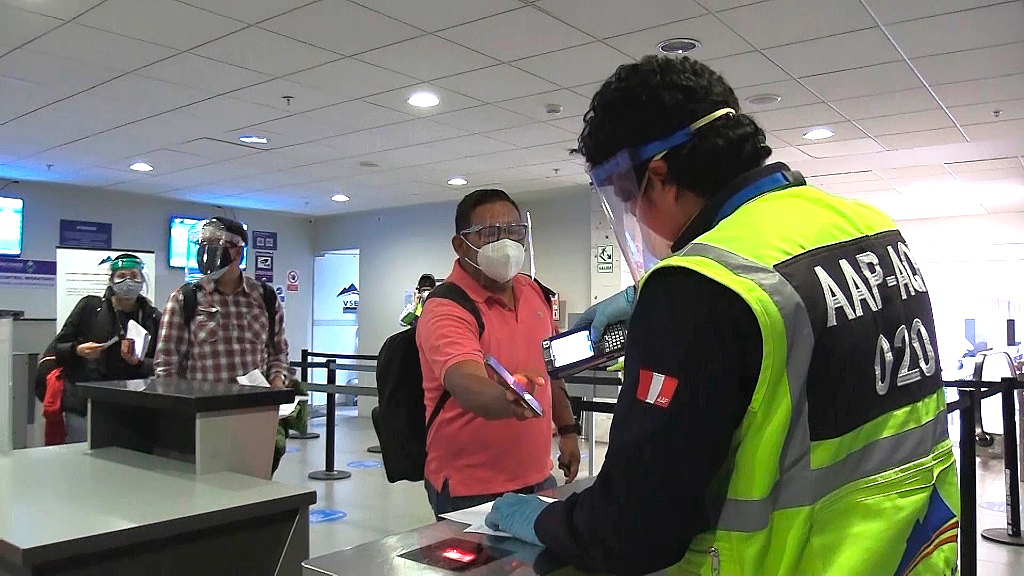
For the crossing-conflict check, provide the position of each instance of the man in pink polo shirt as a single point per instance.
(485, 441)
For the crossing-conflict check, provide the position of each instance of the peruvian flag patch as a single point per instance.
(656, 388)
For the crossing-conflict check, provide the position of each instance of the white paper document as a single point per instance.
(475, 518)
(286, 410)
(254, 378)
(141, 337)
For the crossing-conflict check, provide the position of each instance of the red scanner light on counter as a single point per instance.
(459, 555)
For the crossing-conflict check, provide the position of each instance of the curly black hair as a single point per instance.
(660, 95)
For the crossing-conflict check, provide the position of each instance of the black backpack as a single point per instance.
(190, 303)
(398, 419)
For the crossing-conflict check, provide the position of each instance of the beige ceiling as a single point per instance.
(87, 87)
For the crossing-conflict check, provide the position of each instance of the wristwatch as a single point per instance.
(573, 428)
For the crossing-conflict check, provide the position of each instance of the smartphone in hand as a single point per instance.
(516, 387)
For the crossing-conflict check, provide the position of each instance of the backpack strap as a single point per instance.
(455, 293)
(547, 292)
(270, 303)
(189, 303)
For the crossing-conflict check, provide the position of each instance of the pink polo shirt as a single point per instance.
(474, 455)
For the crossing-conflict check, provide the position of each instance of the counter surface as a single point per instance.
(63, 501)
(381, 557)
(185, 395)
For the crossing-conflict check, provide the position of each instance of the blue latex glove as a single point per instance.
(515, 514)
(617, 308)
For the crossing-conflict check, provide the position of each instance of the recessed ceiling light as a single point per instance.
(424, 100)
(458, 181)
(819, 134)
(369, 164)
(764, 99)
(253, 139)
(678, 46)
(340, 198)
(141, 167)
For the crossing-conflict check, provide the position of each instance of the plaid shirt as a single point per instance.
(227, 338)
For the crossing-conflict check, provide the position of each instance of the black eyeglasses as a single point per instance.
(494, 232)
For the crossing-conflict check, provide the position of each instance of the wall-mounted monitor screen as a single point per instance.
(12, 217)
(178, 251)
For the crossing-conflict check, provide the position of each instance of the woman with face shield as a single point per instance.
(92, 346)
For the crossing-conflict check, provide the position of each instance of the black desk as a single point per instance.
(214, 426)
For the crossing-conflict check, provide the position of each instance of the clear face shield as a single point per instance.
(210, 250)
(503, 249)
(615, 182)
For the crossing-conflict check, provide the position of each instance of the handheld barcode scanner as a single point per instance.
(573, 352)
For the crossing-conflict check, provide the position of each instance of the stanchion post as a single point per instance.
(1011, 473)
(329, 473)
(968, 488)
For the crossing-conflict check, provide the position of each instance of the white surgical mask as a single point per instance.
(500, 260)
(127, 288)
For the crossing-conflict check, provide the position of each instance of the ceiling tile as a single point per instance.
(716, 39)
(64, 76)
(102, 177)
(872, 80)
(164, 161)
(93, 46)
(846, 188)
(146, 96)
(341, 26)
(588, 90)
(482, 119)
(966, 30)
(779, 22)
(225, 113)
(167, 23)
(536, 134)
(983, 113)
(314, 152)
(922, 139)
(907, 172)
(841, 148)
(844, 178)
(533, 106)
(1004, 130)
(20, 97)
(516, 34)
(203, 73)
(496, 83)
(910, 122)
(349, 79)
(427, 58)
(250, 11)
(607, 18)
(960, 168)
(344, 118)
(842, 130)
(834, 53)
(1016, 172)
(19, 26)
(791, 92)
(748, 69)
(400, 135)
(804, 117)
(575, 66)
(439, 14)
(573, 125)
(303, 97)
(972, 64)
(265, 52)
(913, 100)
(720, 5)
(889, 12)
(397, 100)
(65, 9)
(215, 150)
(980, 91)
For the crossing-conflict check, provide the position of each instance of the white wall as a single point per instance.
(141, 223)
(397, 245)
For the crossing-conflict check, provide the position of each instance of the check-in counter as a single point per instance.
(211, 426)
(66, 510)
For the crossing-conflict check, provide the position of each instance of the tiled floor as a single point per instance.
(375, 508)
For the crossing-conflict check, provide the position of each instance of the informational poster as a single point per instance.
(17, 272)
(264, 240)
(605, 259)
(264, 266)
(81, 234)
(280, 293)
(85, 271)
(293, 281)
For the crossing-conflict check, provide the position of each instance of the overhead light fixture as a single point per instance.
(819, 134)
(253, 140)
(458, 181)
(424, 99)
(141, 167)
(764, 99)
(340, 198)
(369, 164)
(678, 46)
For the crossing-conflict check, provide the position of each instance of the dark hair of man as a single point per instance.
(476, 199)
(233, 226)
(660, 95)
(427, 281)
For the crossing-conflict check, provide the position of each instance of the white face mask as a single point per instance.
(500, 260)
